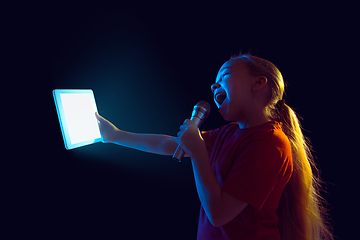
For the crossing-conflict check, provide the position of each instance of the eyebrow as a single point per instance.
(225, 68)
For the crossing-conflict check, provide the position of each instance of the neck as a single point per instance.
(253, 119)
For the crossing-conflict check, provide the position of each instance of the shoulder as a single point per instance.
(270, 136)
(278, 139)
(271, 131)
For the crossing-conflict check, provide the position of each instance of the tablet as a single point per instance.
(76, 112)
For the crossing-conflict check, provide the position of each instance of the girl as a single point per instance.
(255, 177)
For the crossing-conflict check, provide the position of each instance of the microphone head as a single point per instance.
(201, 110)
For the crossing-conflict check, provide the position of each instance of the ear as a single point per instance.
(259, 83)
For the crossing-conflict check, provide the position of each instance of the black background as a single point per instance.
(148, 65)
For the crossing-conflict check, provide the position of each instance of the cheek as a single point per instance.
(238, 97)
(238, 103)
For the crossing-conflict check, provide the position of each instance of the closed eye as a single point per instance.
(225, 74)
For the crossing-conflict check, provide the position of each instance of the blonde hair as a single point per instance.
(302, 213)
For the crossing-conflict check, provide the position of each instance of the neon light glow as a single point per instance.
(76, 112)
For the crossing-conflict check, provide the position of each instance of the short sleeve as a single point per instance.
(255, 171)
(209, 138)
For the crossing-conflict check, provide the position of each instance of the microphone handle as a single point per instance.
(179, 153)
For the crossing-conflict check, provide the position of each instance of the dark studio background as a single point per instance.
(147, 69)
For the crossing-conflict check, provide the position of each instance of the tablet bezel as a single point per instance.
(62, 121)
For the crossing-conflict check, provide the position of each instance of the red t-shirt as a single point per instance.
(253, 165)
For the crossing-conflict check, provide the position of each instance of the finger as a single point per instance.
(183, 127)
(187, 122)
(179, 134)
(100, 118)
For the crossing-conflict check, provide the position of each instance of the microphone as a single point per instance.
(199, 114)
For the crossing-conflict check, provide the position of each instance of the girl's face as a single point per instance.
(233, 90)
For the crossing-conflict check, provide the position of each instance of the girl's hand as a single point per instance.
(107, 129)
(189, 137)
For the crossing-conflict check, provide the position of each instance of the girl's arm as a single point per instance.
(152, 143)
(220, 207)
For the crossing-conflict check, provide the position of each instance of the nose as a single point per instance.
(214, 86)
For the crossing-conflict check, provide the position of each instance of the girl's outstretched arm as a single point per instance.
(152, 143)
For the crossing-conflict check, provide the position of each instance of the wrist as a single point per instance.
(199, 153)
(114, 137)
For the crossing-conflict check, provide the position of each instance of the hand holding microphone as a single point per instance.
(200, 113)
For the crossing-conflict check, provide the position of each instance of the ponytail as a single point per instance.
(301, 209)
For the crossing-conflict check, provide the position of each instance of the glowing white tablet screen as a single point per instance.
(76, 112)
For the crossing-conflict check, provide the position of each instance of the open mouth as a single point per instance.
(220, 97)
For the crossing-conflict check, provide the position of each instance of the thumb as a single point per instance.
(101, 119)
(98, 117)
